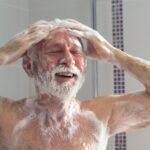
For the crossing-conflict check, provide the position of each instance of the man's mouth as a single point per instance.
(65, 76)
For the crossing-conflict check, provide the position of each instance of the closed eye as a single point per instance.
(56, 51)
(75, 52)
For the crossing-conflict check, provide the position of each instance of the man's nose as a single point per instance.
(67, 59)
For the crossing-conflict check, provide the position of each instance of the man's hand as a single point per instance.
(98, 47)
(23, 41)
(95, 46)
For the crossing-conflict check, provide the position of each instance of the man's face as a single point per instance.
(61, 64)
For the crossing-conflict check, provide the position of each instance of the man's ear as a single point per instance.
(27, 65)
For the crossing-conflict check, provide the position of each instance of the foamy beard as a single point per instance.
(47, 83)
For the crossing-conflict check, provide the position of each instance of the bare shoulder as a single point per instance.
(8, 104)
(9, 114)
(10, 110)
(4, 103)
(4, 100)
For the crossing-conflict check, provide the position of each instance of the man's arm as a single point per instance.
(130, 111)
(22, 41)
(123, 112)
(99, 48)
(114, 107)
(138, 67)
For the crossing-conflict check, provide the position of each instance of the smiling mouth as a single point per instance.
(67, 75)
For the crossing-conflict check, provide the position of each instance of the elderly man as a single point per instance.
(54, 55)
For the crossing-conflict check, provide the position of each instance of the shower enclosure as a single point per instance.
(17, 14)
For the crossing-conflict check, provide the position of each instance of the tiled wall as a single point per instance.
(137, 40)
(136, 23)
(16, 14)
(118, 74)
(14, 18)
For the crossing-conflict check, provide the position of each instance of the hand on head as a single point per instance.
(22, 41)
(95, 46)
(39, 30)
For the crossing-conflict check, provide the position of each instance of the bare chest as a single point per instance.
(87, 133)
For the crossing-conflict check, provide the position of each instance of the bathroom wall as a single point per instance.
(17, 14)
(14, 18)
(136, 42)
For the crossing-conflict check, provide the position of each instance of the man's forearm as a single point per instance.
(140, 68)
(136, 66)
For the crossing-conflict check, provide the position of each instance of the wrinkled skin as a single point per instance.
(49, 121)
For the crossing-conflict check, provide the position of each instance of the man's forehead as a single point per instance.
(61, 36)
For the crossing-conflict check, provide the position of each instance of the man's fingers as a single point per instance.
(38, 24)
(38, 31)
(22, 41)
(11, 52)
(40, 27)
(75, 22)
(77, 33)
(73, 25)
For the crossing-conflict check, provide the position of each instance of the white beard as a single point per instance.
(46, 82)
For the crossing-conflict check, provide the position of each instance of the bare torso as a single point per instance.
(24, 128)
